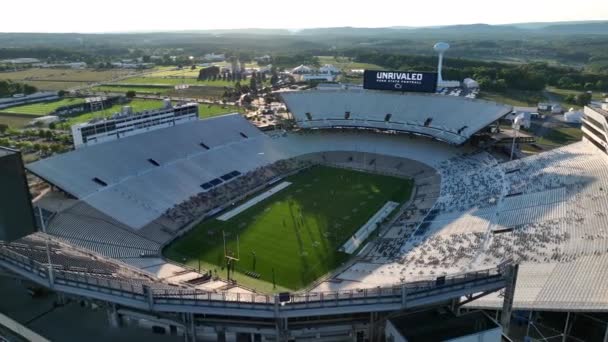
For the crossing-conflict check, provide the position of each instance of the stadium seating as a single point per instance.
(447, 118)
(543, 212)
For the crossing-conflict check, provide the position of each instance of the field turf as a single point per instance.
(296, 232)
(41, 108)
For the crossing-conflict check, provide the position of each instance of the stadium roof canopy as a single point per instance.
(451, 119)
(137, 178)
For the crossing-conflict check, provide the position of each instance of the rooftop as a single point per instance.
(5, 151)
(598, 109)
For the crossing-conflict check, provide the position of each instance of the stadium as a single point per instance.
(371, 203)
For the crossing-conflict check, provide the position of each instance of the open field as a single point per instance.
(346, 63)
(14, 121)
(55, 85)
(86, 75)
(295, 233)
(198, 92)
(173, 71)
(560, 95)
(514, 97)
(559, 135)
(137, 89)
(137, 105)
(174, 81)
(207, 111)
(41, 108)
(532, 98)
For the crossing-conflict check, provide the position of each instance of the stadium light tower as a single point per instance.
(441, 48)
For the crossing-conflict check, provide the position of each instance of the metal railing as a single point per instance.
(154, 295)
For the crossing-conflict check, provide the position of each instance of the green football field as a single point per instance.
(294, 235)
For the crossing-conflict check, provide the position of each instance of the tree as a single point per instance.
(274, 79)
(3, 128)
(565, 82)
(583, 99)
(61, 93)
(130, 94)
(253, 83)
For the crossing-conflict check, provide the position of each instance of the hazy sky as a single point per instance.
(125, 15)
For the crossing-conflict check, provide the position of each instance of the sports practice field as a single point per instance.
(41, 108)
(296, 232)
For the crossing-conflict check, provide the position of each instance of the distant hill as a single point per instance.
(582, 27)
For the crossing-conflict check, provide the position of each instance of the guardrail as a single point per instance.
(162, 297)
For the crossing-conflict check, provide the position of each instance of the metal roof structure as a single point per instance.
(452, 119)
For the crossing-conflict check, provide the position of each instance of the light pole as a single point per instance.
(516, 125)
(47, 247)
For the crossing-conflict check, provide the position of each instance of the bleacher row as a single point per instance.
(84, 226)
(136, 179)
(227, 192)
(75, 263)
(557, 216)
(447, 118)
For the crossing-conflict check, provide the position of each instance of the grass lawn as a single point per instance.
(296, 232)
(559, 136)
(206, 111)
(175, 81)
(137, 89)
(346, 63)
(561, 94)
(50, 74)
(14, 121)
(172, 71)
(137, 105)
(41, 108)
(514, 97)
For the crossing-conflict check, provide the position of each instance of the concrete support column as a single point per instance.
(566, 328)
(529, 322)
(507, 304)
(113, 317)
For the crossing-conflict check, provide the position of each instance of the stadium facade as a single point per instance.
(454, 244)
(126, 124)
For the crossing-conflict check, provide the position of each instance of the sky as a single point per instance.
(124, 16)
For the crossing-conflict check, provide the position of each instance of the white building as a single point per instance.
(329, 69)
(212, 57)
(573, 116)
(525, 115)
(21, 61)
(126, 124)
(470, 83)
(318, 77)
(302, 69)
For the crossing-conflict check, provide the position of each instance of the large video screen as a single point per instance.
(414, 81)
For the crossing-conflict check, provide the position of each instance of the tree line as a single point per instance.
(495, 75)
(10, 88)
